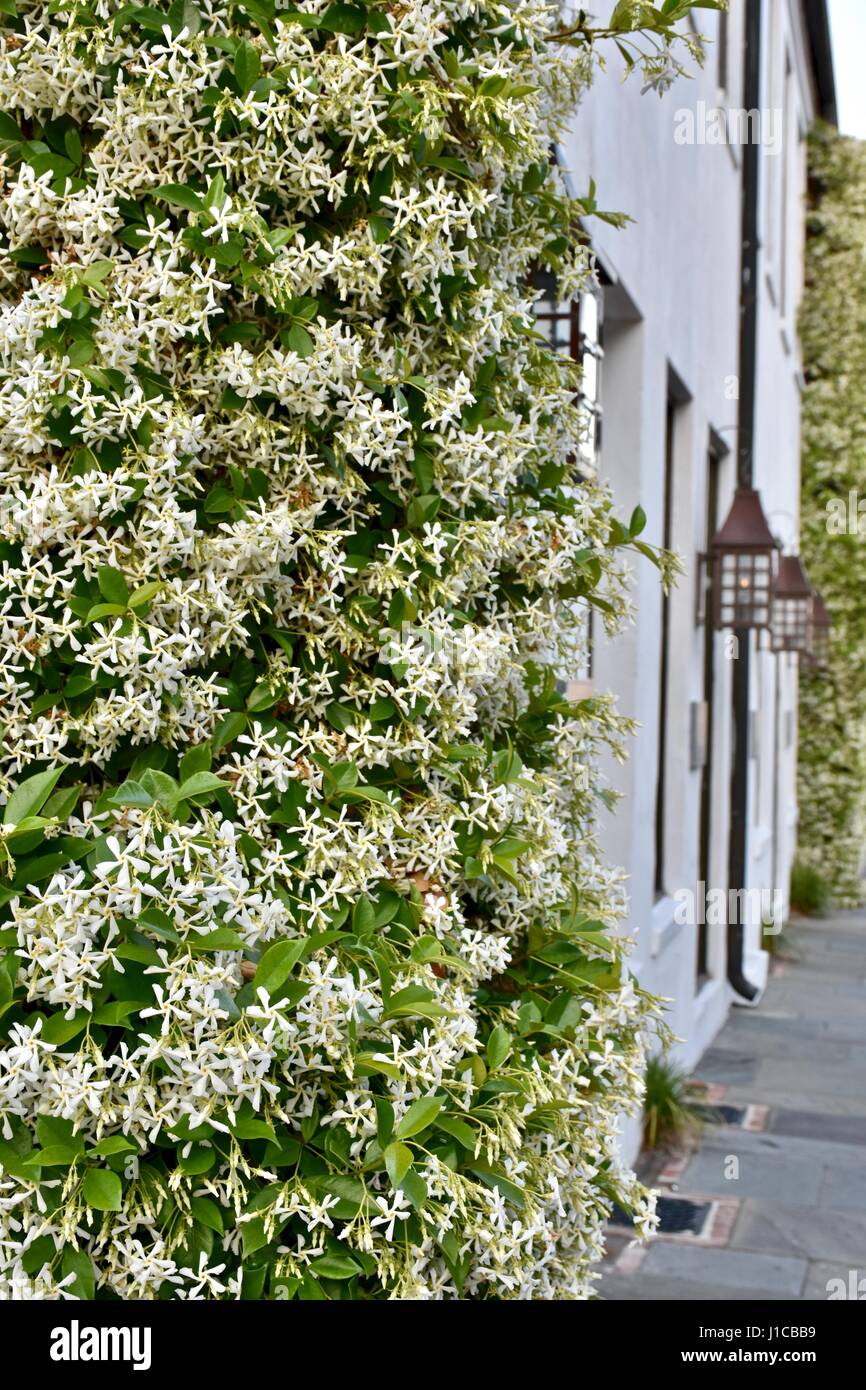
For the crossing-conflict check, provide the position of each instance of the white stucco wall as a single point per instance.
(676, 304)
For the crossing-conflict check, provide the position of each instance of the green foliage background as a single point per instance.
(832, 730)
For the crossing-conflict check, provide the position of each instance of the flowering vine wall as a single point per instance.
(309, 988)
(832, 751)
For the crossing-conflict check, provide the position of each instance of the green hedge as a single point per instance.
(832, 747)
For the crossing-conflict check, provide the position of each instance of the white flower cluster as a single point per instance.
(306, 990)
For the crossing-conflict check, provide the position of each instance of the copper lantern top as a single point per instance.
(746, 526)
(791, 581)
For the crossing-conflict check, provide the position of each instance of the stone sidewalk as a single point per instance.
(788, 1196)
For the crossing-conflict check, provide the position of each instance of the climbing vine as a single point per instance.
(309, 985)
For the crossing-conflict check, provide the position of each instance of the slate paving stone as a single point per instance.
(822, 1154)
(812, 1079)
(825, 1234)
(728, 1269)
(787, 1045)
(791, 1099)
(653, 1288)
(845, 1191)
(728, 1068)
(757, 1175)
(759, 1031)
(806, 1124)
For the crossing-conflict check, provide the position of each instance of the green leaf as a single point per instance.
(343, 19)
(200, 1159)
(510, 848)
(262, 697)
(29, 829)
(363, 917)
(254, 1127)
(384, 1121)
(179, 196)
(233, 725)
(220, 939)
(114, 1144)
(59, 1030)
(61, 803)
(380, 228)
(80, 352)
(248, 65)
(79, 1263)
(419, 1115)
(398, 1161)
(216, 191)
(105, 610)
(72, 145)
(98, 271)
(335, 1267)
(300, 341)
(158, 921)
(498, 1046)
(459, 1130)
(284, 1154)
(422, 509)
(196, 759)
(130, 793)
(199, 785)
(277, 964)
(54, 1156)
(491, 1178)
(417, 1000)
(102, 1190)
(141, 597)
(9, 131)
(205, 1210)
(115, 1014)
(253, 1235)
(415, 1189)
(29, 796)
(112, 586)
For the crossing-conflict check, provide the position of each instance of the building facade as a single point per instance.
(699, 388)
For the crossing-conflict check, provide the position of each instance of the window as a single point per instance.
(678, 397)
(574, 329)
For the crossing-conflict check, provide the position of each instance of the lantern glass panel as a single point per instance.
(820, 645)
(791, 624)
(743, 592)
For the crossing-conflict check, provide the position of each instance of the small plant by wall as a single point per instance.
(671, 1110)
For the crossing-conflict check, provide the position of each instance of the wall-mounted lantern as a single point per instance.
(820, 625)
(742, 557)
(792, 607)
